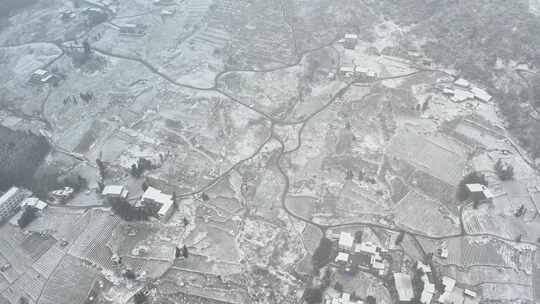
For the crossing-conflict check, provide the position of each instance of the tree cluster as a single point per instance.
(142, 165)
(322, 254)
(21, 153)
(313, 295)
(131, 213)
(504, 170)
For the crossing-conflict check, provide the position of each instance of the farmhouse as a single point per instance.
(346, 71)
(132, 29)
(461, 95)
(164, 202)
(350, 41)
(404, 287)
(449, 285)
(429, 288)
(344, 298)
(346, 241)
(115, 191)
(11, 200)
(462, 83)
(41, 76)
(479, 193)
(342, 258)
(481, 94)
(374, 253)
(34, 202)
(469, 293)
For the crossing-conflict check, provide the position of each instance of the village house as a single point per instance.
(480, 94)
(404, 287)
(364, 72)
(350, 41)
(164, 202)
(132, 29)
(479, 193)
(343, 298)
(11, 200)
(346, 241)
(427, 278)
(115, 191)
(461, 95)
(462, 83)
(35, 203)
(442, 251)
(346, 71)
(449, 285)
(374, 253)
(42, 76)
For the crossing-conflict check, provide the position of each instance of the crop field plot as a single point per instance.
(36, 245)
(477, 222)
(478, 134)
(30, 284)
(42, 22)
(151, 269)
(70, 283)
(506, 292)
(228, 205)
(194, 283)
(288, 93)
(536, 284)
(214, 242)
(478, 251)
(126, 236)
(478, 274)
(271, 42)
(425, 215)
(48, 261)
(303, 206)
(429, 154)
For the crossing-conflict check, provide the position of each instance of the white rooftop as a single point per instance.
(114, 190)
(34, 202)
(462, 83)
(366, 247)
(469, 293)
(462, 95)
(40, 72)
(346, 239)
(425, 268)
(481, 94)
(342, 257)
(449, 285)
(476, 187)
(351, 36)
(346, 69)
(159, 197)
(403, 286)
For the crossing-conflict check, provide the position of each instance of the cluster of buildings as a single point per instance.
(152, 197)
(363, 255)
(41, 76)
(131, 29)
(350, 71)
(14, 201)
(451, 294)
(463, 90)
(343, 298)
